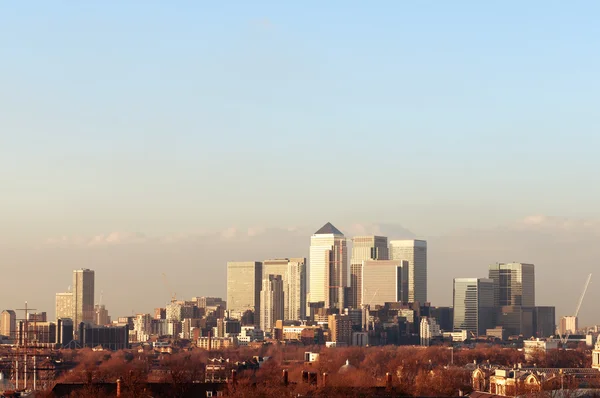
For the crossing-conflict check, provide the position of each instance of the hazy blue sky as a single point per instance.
(164, 118)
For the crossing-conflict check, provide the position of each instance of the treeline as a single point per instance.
(410, 371)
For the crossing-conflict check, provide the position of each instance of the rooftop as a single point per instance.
(328, 229)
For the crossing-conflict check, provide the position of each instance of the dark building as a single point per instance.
(444, 317)
(544, 320)
(518, 321)
(64, 332)
(514, 296)
(108, 337)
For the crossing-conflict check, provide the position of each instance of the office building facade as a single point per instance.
(8, 323)
(474, 308)
(272, 302)
(415, 252)
(364, 248)
(64, 305)
(328, 267)
(514, 296)
(244, 283)
(293, 273)
(83, 296)
(295, 290)
(384, 281)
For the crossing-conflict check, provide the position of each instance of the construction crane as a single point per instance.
(169, 289)
(565, 338)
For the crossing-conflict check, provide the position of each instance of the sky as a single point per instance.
(144, 136)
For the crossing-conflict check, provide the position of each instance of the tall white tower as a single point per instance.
(328, 267)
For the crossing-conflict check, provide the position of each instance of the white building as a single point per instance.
(415, 252)
(531, 347)
(295, 290)
(429, 328)
(328, 267)
(568, 324)
(596, 355)
(271, 302)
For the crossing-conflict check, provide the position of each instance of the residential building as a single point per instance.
(174, 312)
(415, 252)
(64, 305)
(568, 324)
(340, 327)
(228, 327)
(429, 329)
(272, 302)
(473, 305)
(364, 248)
(8, 324)
(383, 281)
(83, 296)
(160, 313)
(328, 267)
(244, 283)
(209, 302)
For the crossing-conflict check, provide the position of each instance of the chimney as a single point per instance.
(461, 393)
(325, 379)
(119, 387)
(285, 377)
(233, 376)
(209, 340)
(520, 365)
(388, 380)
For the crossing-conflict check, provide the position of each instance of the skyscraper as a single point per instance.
(473, 305)
(8, 323)
(514, 284)
(328, 267)
(383, 281)
(244, 281)
(415, 252)
(271, 302)
(364, 248)
(83, 296)
(293, 273)
(295, 290)
(514, 295)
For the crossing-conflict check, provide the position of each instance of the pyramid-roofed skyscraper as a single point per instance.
(328, 267)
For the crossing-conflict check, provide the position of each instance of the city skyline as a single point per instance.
(111, 159)
(295, 242)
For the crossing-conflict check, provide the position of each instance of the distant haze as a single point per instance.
(138, 138)
(129, 266)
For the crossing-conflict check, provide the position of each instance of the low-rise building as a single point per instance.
(532, 347)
